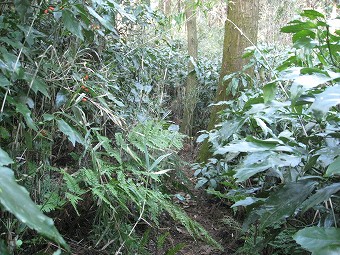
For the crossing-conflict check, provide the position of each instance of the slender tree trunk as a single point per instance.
(240, 32)
(161, 5)
(167, 7)
(190, 92)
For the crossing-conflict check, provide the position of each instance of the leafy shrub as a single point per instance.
(78, 98)
(279, 142)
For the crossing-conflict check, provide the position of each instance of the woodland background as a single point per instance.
(169, 127)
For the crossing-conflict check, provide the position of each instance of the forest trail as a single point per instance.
(214, 215)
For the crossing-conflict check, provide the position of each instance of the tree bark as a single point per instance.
(240, 32)
(167, 7)
(190, 91)
(161, 5)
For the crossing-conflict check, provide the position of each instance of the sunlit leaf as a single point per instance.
(15, 199)
(333, 168)
(319, 241)
(244, 173)
(247, 201)
(325, 100)
(4, 158)
(70, 132)
(269, 92)
(312, 14)
(305, 43)
(262, 125)
(298, 26)
(157, 161)
(60, 99)
(201, 181)
(4, 82)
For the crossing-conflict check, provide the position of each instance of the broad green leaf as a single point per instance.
(48, 117)
(72, 24)
(310, 81)
(229, 128)
(247, 201)
(298, 26)
(305, 43)
(243, 146)
(16, 200)
(104, 22)
(269, 92)
(201, 138)
(304, 99)
(284, 202)
(325, 100)
(4, 82)
(320, 196)
(307, 82)
(4, 134)
(303, 34)
(258, 162)
(70, 132)
(263, 126)
(312, 14)
(201, 181)
(333, 168)
(312, 70)
(4, 158)
(39, 85)
(9, 62)
(269, 141)
(244, 173)
(328, 155)
(319, 241)
(23, 109)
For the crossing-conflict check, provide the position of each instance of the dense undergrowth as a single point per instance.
(87, 92)
(84, 127)
(275, 152)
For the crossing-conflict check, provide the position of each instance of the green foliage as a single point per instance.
(82, 113)
(15, 199)
(319, 240)
(278, 143)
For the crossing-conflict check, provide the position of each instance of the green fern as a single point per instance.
(123, 183)
(53, 201)
(155, 136)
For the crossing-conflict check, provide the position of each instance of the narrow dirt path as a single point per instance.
(215, 216)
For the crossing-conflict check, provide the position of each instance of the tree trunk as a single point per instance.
(242, 23)
(190, 91)
(167, 7)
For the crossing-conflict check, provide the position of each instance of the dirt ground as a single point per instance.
(214, 215)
